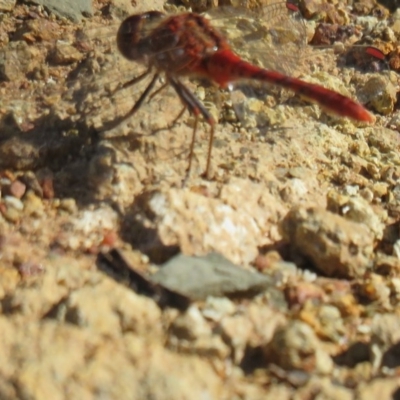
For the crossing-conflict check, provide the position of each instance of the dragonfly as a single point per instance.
(187, 44)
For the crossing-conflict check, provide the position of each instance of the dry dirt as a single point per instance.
(307, 206)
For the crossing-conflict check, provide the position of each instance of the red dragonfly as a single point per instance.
(187, 44)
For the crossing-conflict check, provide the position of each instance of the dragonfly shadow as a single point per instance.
(64, 147)
(80, 157)
(47, 141)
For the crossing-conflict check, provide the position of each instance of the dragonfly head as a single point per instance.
(133, 34)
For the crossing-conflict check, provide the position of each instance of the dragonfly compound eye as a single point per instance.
(133, 34)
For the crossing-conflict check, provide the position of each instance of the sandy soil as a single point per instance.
(305, 204)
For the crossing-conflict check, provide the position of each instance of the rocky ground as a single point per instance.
(278, 278)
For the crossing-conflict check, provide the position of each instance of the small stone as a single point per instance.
(7, 5)
(47, 187)
(359, 210)
(294, 190)
(11, 214)
(33, 204)
(385, 335)
(300, 292)
(65, 54)
(380, 189)
(267, 262)
(335, 201)
(336, 246)
(367, 194)
(330, 323)
(191, 325)
(385, 329)
(387, 265)
(373, 171)
(389, 175)
(210, 275)
(190, 332)
(13, 202)
(210, 347)
(266, 321)
(295, 346)
(71, 9)
(236, 331)
(14, 188)
(217, 307)
(351, 190)
(68, 205)
(379, 93)
(32, 183)
(17, 189)
(19, 154)
(375, 288)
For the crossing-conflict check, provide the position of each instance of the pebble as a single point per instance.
(373, 171)
(236, 330)
(295, 346)
(380, 189)
(68, 205)
(73, 9)
(331, 323)
(16, 189)
(385, 334)
(298, 293)
(19, 154)
(11, 214)
(210, 275)
(367, 194)
(191, 325)
(30, 180)
(359, 210)
(13, 202)
(47, 186)
(379, 93)
(65, 54)
(388, 265)
(336, 246)
(191, 333)
(33, 204)
(217, 307)
(7, 5)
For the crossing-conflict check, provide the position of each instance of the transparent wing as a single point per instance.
(272, 36)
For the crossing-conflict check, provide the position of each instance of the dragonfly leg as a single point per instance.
(196, 108)
(135, 80)
(179, 116)
(136, 106)
(192, 147)
(161, 88)
(142, 97)
(210, 144)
